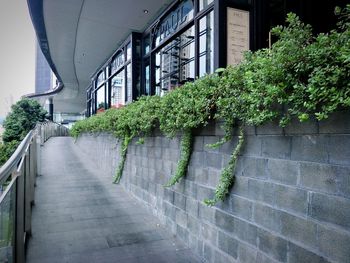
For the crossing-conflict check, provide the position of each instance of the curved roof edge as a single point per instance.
(54, 91)
(37, 16)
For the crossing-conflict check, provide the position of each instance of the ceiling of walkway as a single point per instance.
(82, 34)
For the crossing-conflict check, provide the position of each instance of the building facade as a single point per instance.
(43, 74)
(192, 38)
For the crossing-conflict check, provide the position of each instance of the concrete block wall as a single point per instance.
(290, 202)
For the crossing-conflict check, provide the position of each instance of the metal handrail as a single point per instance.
(18, 177)
(11, 163)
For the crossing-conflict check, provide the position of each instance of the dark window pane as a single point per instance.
(146, 45)
(101, 78)
(88, 93)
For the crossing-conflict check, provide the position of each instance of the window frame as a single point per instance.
(110, 71)
(150, 56)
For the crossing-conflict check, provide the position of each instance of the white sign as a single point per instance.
(237, 35)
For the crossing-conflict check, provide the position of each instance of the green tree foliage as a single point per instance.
(6, 150)
(22, 118)
(301, 76)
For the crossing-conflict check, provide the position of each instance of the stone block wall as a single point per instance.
(290, 202)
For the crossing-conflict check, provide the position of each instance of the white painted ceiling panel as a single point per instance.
(82, 34)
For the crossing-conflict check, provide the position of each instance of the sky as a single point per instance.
(17, 53)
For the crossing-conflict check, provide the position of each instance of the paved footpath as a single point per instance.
(80, 216)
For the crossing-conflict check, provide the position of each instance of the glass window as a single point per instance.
(175, 63)
(118, 90)
(136, 85)
(117, 62)
(146, 44)
(174, 21)
(170, 65)
(100, 99)
(128, 84)
(93, 103)
(107, 103)
(206, 44)
(157, 66)
(101, 78)
(204, 3)
(187, 72)
(187, 51)
(128, 51)
(88, 108)
(88, 93)
(88, 99)
(147, 78)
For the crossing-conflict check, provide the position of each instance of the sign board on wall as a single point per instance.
(237, 34)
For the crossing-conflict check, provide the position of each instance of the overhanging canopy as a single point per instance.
(78, 36)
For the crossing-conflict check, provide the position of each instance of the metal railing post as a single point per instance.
(19, 236)
(27, 193)
(33, 167)
(38, 154)
(41, 135)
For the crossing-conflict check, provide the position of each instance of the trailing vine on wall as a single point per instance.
(227, 176)
(186, 150)
(123, 152)
(301, 75)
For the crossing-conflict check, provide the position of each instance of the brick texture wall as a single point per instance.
(290, 202)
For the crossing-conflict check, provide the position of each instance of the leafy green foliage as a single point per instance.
(6, 150)
(186, 150)
(189, 106)
(301, 76)
(123, 153)
(135, 119)
(23, 117)
(227, 176)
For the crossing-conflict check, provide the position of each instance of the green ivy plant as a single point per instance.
(301, 76)
(123, 152)
(227, 176)
(186, 150)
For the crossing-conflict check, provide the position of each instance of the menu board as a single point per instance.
(237, 35)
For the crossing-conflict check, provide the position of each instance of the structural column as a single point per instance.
(51, 109)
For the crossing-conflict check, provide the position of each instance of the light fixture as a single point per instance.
(145, 11)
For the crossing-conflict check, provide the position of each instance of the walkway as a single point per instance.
(80, 216)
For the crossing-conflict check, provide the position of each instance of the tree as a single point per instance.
(22, 118)
(6, 150)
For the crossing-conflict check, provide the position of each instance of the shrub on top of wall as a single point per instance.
(300, 75)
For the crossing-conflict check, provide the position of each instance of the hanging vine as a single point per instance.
(186, 150)
(123, 152)
(227, 176)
